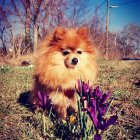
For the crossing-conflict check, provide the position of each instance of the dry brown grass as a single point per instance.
(121, 77)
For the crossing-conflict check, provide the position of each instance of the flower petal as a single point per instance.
(105, 97)
(97, 137)
(97, 93)
(103, 108)
(40, 104)
(45, 99)
(92, 112)
(79, 85)
(85, 88)
(112, 120)
(39, 96)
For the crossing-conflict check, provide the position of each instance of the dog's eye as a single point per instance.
(79, 52)
(65, 52)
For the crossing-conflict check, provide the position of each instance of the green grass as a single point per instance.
(18, 122)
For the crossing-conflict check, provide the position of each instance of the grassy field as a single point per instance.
(19, 123)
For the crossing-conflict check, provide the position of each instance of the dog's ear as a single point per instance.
(59, 33)
(83, 32)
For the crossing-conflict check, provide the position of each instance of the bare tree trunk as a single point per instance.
(4, 49)
(13, 40)
(37, 5)
(27, 23)
(35, 37)
(19, 46)
(124, 53)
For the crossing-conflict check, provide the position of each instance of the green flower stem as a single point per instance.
(43, 124)
(109, 107)
(50, 112)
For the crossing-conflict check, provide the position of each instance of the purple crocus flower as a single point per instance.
(96, 107)
(101, 99)
(99, 122)
(84, 89)
(42, 100)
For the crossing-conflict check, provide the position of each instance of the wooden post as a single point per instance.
(107, 23)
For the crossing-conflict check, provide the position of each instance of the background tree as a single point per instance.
(4, 28)
(40, 17)
(129, 40)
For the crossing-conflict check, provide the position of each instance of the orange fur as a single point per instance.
(55, 72)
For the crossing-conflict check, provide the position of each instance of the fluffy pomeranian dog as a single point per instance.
(62, 58)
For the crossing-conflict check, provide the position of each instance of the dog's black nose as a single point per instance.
(74, 61)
